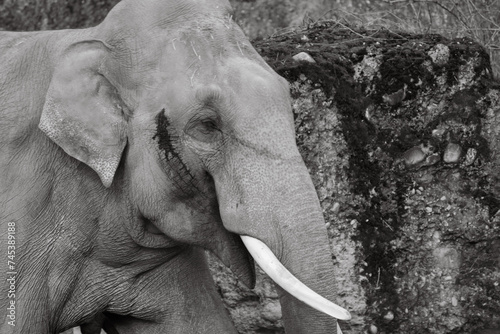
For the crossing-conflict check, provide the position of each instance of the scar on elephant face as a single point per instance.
(168, 143)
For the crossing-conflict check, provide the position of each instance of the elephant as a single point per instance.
(129, 149)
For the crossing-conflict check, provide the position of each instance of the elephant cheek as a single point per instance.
(205, 229)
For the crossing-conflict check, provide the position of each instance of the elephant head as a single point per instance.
(191, 134)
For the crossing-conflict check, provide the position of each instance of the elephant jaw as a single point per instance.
(281, 276)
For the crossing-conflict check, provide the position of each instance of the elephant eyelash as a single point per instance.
(209, 125)
(205, 115)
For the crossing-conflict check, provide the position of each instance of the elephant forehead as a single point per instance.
(147, 15)
(206, 48)
(241, 83)
(192, 53)
(139, 31)
(244, 74)
(189, 61)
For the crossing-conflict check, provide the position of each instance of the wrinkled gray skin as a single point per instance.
(126, 149)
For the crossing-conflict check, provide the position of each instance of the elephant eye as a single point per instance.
(205, 130)
(207, 127)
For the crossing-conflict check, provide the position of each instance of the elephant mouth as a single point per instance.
(151, 228)
(281, 276)
(145, 233)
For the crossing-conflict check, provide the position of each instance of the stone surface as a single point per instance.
(452, 153)
(303, 56)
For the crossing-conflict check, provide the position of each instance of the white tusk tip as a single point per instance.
(281, 276)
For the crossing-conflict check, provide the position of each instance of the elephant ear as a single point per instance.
(83, 112)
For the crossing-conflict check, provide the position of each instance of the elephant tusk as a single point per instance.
(281, 276)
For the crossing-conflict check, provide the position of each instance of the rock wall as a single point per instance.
(401, 134)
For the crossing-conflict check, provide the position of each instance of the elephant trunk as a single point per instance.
(277, 213)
